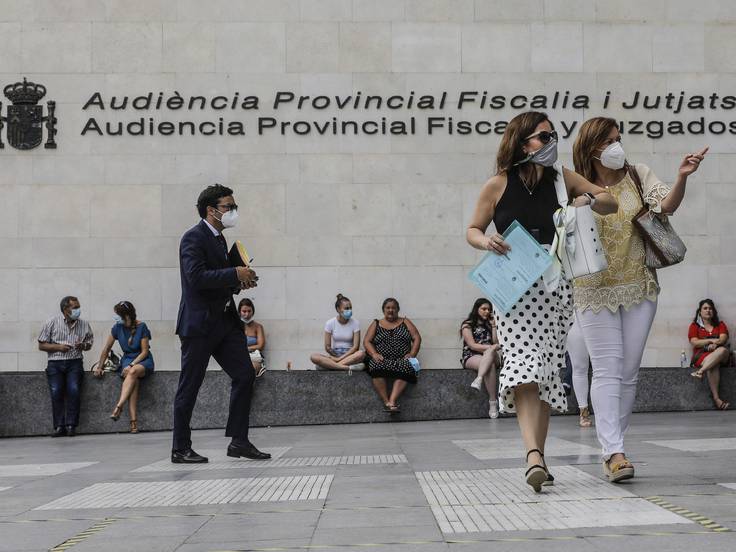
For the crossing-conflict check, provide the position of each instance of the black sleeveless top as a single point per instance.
(533, 211)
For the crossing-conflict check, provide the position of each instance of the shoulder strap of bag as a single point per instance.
(560, 188)
(552, 275)
(634, 174)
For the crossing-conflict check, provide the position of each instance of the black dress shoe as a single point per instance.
(187, 456)
(59, 432)
(71, 431)
(248, 450)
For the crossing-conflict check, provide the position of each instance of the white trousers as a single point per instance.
(616, 343)
(580, 362)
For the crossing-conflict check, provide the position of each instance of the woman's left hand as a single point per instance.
(691, 162)
(581, 200)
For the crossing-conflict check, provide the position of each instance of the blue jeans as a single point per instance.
(65, 379)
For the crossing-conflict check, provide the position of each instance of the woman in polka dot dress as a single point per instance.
(532, 335)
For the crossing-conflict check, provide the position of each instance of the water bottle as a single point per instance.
(683, 359)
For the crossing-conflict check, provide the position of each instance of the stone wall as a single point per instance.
(308, 397)
(368, 216)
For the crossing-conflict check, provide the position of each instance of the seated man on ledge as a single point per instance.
(64, 337)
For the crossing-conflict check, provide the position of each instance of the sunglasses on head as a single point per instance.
(544, 136)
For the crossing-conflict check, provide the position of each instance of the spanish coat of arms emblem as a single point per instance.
(25, 119)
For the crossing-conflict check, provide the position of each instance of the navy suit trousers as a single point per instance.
(227, 344)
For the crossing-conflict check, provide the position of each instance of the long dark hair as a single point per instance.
(511, 149)
(715, 321)
(125, 309)
(474, 320)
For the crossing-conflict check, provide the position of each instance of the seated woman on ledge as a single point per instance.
(392, 344)
(480, 350)
(254, 335)
(342, 339)
(709, 338)
(134, 338)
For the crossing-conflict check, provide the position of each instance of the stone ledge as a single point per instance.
(308, 397)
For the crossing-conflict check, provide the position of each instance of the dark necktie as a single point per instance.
(222, 241)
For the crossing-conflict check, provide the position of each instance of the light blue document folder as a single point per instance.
(505, 278)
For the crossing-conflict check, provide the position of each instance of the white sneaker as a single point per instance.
(493, 409)
(477, 382)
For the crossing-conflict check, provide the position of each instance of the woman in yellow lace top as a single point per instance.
(615, 308)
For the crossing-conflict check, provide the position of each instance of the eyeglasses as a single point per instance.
(544, 136)
(228, 207)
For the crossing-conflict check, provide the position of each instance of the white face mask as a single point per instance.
(613, 156)
(246, 319)
(229, 219)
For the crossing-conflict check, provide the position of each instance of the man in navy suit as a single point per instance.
(209, 326)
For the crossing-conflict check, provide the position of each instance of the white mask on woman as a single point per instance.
(613, 156)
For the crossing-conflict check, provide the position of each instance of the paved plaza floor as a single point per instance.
(429, 486)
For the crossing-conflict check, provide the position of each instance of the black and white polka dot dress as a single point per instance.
(393, 345)
(533, 338)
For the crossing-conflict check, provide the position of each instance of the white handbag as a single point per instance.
(583, 253)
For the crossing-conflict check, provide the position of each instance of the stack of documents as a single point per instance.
(505, 278)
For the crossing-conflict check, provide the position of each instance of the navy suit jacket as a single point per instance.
(207, 282)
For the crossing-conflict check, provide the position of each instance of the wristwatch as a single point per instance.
(591, 197)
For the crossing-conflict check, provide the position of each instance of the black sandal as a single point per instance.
(537, 474)
(550, 478)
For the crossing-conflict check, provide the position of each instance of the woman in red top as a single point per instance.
(709, 338)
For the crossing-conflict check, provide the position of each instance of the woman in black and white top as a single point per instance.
(533, 333)
(480, 350)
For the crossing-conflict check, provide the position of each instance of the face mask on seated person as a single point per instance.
(75, 314)
(246, 319)
(347, 313)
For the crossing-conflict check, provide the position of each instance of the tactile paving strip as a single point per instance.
(697, 445)
(33, 470)
(500, 500)
(492, 449)
(188, 493)
(314, 461)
